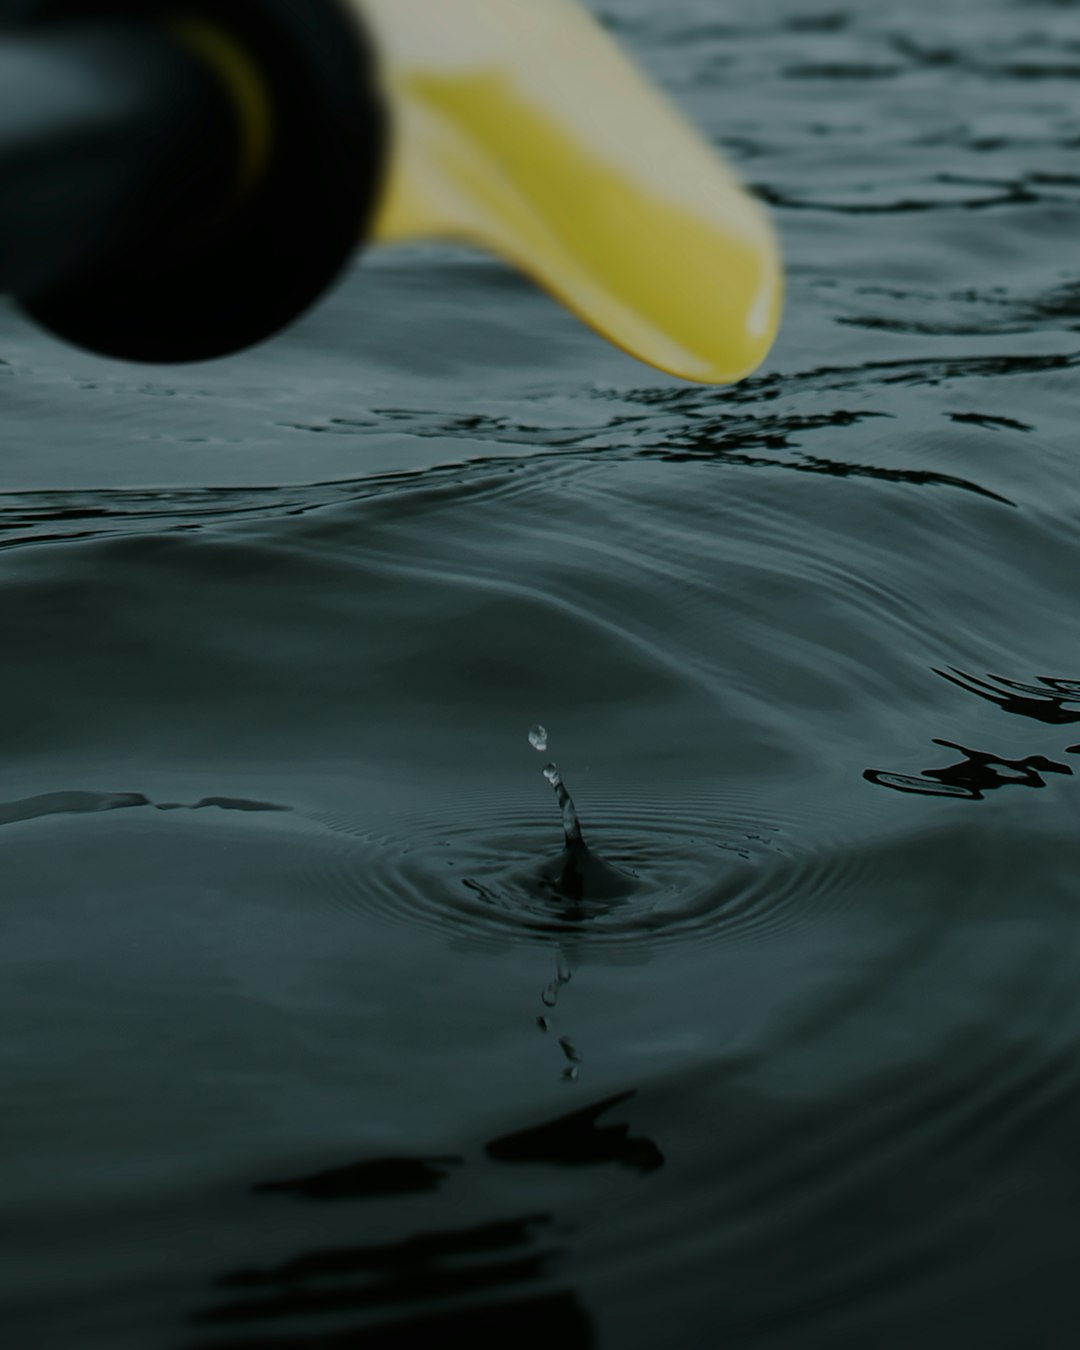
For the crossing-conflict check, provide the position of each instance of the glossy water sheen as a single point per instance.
(312, 1033)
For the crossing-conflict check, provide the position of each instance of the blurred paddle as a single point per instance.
(177, 184)
(518, 125)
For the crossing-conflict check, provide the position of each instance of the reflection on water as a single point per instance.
(312, 1298)
(77, 803)
(378, 1176)
(427, 1268)
(980, 771)
(579, 1139)
(537, 1323)
(977, 773)
(1048, 701)
(413, 1274)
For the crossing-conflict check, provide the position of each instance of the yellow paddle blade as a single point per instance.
(520, 126)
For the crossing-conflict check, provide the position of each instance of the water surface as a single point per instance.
(280, 914)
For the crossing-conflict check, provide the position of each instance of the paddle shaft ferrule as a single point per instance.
(181, 181)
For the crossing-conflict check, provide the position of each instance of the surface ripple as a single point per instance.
(707, 868)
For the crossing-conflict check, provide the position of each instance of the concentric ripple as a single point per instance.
(650, 873)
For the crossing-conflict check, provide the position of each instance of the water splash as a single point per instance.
(570, 823)
(538, 739)
(577, 875)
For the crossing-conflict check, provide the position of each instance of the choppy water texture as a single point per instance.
(309, 1037)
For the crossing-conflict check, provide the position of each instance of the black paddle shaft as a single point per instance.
(136, 217)
(110, 135)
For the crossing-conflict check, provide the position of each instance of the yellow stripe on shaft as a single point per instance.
(239, 73)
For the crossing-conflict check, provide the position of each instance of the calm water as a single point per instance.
(283, 889)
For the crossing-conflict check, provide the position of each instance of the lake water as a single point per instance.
(281, 874)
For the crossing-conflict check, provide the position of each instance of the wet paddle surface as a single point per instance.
(315, 1031)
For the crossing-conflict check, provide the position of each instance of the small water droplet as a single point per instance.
(543, 1024)
(570, 1073)
(538, 737)
(551, 773)
(550, 996)
(570, 1050)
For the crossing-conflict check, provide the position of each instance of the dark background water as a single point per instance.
(274, 630)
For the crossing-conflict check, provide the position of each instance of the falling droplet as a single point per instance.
(570, 1050)
(550, 996)
(538, 737)
(570, 1073)
(543, 1023)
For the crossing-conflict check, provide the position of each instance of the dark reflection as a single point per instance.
(68, 803)
(841, 70)
(1047, 701)
(222, 804)
(979, 772)
(728, 425)
(81, 803)
(472, 1274)
(830, 21)
(540, 1323)
(913, 371)
(418, 1269)
(1004, 194)
(991, 421)
(732, 439)
(377, 1177)
(577, 1139)
(466, 1284)
(833, 468)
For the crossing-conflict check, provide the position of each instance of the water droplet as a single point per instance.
(571, 1073)
(538, 737)
(551, 773)
(550, 996)
(543, 1024)
(570, 1050)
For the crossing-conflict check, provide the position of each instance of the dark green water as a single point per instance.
(280, 871)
